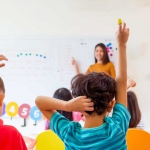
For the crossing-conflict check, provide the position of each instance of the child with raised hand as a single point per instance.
(94, 94)
(133, 107)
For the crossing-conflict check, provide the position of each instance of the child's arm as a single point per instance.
(75, 66)
(130, 83)
(48, 105)
(121, 78)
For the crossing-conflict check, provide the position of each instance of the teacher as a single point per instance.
(102, 62)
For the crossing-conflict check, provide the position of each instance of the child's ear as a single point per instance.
(111, 105)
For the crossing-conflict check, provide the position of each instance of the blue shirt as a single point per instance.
(111, 135)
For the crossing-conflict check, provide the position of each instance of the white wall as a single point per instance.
(87, 18)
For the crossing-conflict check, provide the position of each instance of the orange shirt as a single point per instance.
(108, 68)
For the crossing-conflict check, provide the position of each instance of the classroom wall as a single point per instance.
(87, 18)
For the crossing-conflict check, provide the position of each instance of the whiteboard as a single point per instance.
(39, 66)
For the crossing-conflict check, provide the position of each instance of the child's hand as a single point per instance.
(130, 83)
(80, 104)
(2, 58)
(122, 34)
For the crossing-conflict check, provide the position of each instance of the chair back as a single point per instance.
(138, 139)
(48, 140)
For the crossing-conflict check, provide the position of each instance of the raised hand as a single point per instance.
(75, 66)
(73, 61)
(2, 57)
(122, 34)
(130, 83)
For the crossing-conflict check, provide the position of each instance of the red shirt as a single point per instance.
(10, 138)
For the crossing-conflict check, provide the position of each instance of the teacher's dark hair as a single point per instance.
(134, 109)
(64, 94)
(105, 58)
(99, 87)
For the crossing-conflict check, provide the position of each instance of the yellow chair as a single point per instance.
(138, 139)
(48, 140)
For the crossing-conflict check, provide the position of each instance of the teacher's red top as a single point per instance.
(10, 138)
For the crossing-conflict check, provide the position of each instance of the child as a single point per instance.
(94, 94)
(62, 94)
(134, 110)
(65, 94)
(133, 107)
(10, 138)
(102, 62)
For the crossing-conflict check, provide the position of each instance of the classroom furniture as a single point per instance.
(48, 140)
(138, 139)
(30, 142)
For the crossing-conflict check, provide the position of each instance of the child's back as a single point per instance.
(100, 132)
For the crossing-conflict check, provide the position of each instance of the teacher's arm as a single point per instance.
(75, 66)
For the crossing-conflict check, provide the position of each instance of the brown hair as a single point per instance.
(99, 87)
(2, 87)
(134, 109)
(105, 58)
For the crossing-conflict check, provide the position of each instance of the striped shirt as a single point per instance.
(111, 135)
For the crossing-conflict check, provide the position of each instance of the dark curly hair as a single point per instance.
(99, 87)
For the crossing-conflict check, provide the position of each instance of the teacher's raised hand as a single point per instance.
(75, 65)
